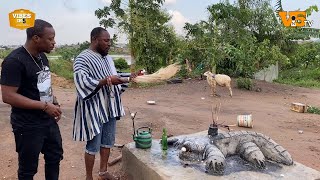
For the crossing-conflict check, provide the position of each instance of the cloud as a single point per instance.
(106, 1)
(70, 5)
(178, 21)
(170, 2)
(74, 26)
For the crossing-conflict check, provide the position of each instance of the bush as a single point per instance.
(183, 73)
(121, 64)
(62, 68)
(245, 83)
(300, 77)
(4, 53)
(313, 110)
(146, 85)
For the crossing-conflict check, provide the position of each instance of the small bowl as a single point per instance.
(151, 102)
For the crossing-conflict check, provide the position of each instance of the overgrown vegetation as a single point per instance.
(237, 39)
(302, 77)
(245, 83)
(313, 110)
(303, 67)
(62, 68)
(151, 40)
(121, 64)
(145, 85)
(4, 53)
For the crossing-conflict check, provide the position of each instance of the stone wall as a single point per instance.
(268, 74)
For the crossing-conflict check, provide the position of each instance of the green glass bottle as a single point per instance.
(164, 140)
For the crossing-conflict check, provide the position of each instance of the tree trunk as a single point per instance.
(132, 66)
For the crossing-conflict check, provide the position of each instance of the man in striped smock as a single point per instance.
(98, 103)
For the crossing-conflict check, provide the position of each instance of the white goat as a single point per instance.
(220, 79)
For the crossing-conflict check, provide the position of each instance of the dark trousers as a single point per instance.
(30, 142)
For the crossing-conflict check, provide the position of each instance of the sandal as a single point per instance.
(106, 176)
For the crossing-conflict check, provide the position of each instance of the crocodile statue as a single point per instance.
(253, 147)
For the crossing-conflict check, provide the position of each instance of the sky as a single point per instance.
(73, 20)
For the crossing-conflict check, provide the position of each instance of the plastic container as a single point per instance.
(151, 102)
(245, 121)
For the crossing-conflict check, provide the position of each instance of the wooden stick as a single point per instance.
(212, 115)
(218, 111)
(113, 162)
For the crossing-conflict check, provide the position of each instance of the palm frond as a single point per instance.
(311, 9)
(278, 6)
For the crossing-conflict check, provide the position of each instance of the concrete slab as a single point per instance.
(155, 164)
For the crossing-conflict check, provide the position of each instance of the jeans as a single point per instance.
(30, 142)
(105, 139)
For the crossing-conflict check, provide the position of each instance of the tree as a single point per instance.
(299, 33)
(237, 39)
(83, 46)
(151, 40)
(69, 52)
(306, 55)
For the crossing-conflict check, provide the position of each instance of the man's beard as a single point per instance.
(102, 52)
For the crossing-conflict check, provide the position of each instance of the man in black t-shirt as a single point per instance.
(26, 86)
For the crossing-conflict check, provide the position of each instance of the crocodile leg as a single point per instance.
(215, 160)
(250, 152)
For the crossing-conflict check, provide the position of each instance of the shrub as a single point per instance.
(121, 64)
(300, 77)
(62, 68)
(313, 110)
(183, 73)
(245, 83)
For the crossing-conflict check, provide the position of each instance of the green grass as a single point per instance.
(128, 69)
(300, 77)
(62, 68)
(313, 110)
(145, 85)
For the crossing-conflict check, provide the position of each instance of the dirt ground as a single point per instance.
(185, 108)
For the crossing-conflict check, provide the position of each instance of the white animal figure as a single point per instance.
(220, 79)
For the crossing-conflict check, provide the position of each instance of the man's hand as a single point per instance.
(57, 118)
(133, 75)
(115, 80)
(53, 111)
(118, 80)
(56, 103)
(105, 81)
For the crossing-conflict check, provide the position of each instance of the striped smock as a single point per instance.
(94, 105)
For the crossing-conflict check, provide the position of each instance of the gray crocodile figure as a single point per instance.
(251, 146)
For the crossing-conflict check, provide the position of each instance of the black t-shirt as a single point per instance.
(20, 70)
